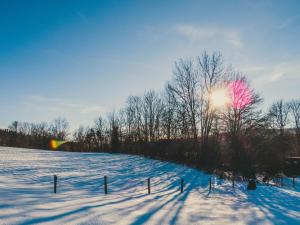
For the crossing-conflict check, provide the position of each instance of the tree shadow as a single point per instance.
(279, 206)
(80, 190)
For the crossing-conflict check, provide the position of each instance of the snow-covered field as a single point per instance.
(26, 192)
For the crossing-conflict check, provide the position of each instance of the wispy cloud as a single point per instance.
(286, 23)
(284, 69)
(195, 33)
(58, 105)
(273, 72)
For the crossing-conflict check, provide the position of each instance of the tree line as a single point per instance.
(184, 123)
(34, 135)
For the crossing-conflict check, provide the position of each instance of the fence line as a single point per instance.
(210, 184)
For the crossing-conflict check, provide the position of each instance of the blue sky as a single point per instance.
(79, 59)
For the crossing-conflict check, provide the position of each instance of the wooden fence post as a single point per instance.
(210, 184)
(233, 181)
(149, 190)
(105, 185)
(181, 185)
(55, 183)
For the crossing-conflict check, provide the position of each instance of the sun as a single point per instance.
(220, 97)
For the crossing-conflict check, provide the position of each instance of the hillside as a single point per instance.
(26, 191)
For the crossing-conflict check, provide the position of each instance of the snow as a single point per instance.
(26, 192)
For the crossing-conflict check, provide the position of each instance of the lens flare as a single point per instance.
(54, 144)
(220, 97)
(236, 94)
(241, 94)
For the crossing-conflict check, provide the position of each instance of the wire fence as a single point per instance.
(110, 185)
(75, 183)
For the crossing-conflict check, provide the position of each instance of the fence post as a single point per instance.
(105, 185)
(149, 191)
(55, 183)
(233, 181)
(181, 185)
(293, 181)
(210, 184)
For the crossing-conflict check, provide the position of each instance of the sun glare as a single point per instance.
(54, 144)
(220, 97)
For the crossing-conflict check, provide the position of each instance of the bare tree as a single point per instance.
(100, 127)
(114, 130)
(152, 110)
(278, 115)
(79, 134)
(135, 118)
(59, 128)
(294, 107)
(159, 110)
(25, 128)
(43, 129)
(241, 116)
(14, 126)
(211, 72)
(169, 113)
(129, 111)
(123, 131)
(184, 85)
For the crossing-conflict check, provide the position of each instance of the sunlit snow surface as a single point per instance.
(26, 192)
